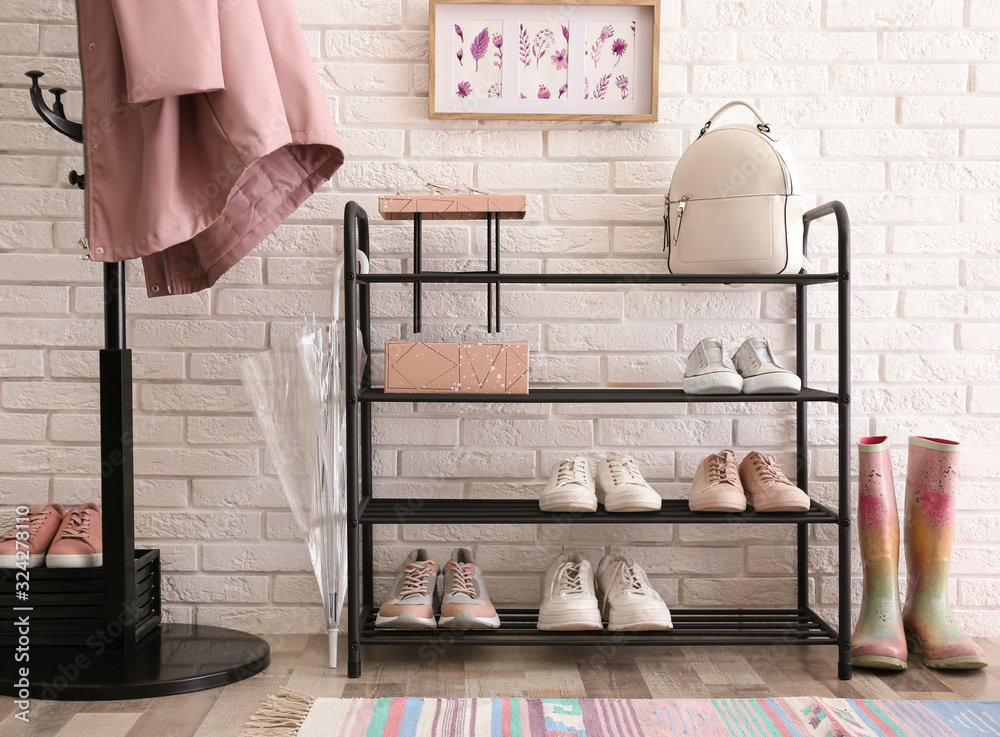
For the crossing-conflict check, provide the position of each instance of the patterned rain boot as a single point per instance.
(878, 640)
(931, 486)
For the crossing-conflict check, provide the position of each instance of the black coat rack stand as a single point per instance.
(95, 633)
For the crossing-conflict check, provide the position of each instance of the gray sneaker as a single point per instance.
(466, 603)
(710, 371)
(761, 373)
(414, 598)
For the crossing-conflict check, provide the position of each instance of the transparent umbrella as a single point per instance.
(296, 392)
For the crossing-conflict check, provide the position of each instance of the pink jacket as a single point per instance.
(204, 128)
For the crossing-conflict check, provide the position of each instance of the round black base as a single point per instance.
(174, 659)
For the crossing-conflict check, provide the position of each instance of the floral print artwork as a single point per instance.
(543, 59)
(610, 60)
(477, 59)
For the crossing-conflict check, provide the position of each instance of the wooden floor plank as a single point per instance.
(785, 676)
(727, 672)
(105, 724)
(312, 673)
(613, 674)
(46, 719)
(236, 704)
(131, 706)
(176, 716)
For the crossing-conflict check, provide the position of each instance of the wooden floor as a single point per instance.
(299, 662)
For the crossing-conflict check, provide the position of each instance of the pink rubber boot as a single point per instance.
(878, 640)
(931, 487)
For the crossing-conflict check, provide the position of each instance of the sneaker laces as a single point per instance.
(463, 579)
(35, 522)
(569, 579)
(78, 527)
(768, 470)
(415, 579)
(635, 581)
(624, 470)
(571, 471)
(722, 467)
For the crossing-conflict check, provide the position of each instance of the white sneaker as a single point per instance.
(628, 600)
(570, 488)
(569, 600)
(710, 371)
(621, 488)
(761, 373)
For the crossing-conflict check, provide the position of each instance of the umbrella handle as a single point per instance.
(338, 273)
(332, 634)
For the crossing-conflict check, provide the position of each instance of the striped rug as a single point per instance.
(785, 717)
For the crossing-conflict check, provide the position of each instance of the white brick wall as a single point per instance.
(890, 105)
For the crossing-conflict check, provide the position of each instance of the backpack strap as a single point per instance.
(762, 126)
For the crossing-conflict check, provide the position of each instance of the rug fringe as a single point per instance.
(281, 715)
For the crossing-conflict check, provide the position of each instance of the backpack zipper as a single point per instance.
(681, 206)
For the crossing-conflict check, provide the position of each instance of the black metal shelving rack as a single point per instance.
(727, 627)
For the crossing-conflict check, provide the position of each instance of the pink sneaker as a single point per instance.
(78, 542)
(42, 525)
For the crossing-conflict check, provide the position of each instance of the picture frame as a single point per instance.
(546, 60)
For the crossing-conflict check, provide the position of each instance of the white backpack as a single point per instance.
(734, 205)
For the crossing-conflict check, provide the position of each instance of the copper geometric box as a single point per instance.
(465, 368)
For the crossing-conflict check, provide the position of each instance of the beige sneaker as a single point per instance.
(569, 596)
(716, 486)
(570, 488)
(767, 488)
(628, 601)
(621, 488)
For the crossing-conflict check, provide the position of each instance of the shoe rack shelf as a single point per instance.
(726, 627)
(601, 396)
(526, 511)
(691, 627)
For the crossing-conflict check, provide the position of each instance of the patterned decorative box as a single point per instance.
(452, 206)
(466, 368)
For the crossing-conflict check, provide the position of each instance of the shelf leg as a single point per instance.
(802, 440)
(496, 266)
(844, 437)
(367, 539)
(417, 268)
(355, 223)
(489, 269)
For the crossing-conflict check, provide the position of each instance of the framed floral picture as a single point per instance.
(544, 59)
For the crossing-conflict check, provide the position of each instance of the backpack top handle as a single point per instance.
(762, 126)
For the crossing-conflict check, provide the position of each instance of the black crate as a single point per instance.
(67, 603)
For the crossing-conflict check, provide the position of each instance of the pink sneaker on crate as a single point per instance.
(78, 542)
(42, 525)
